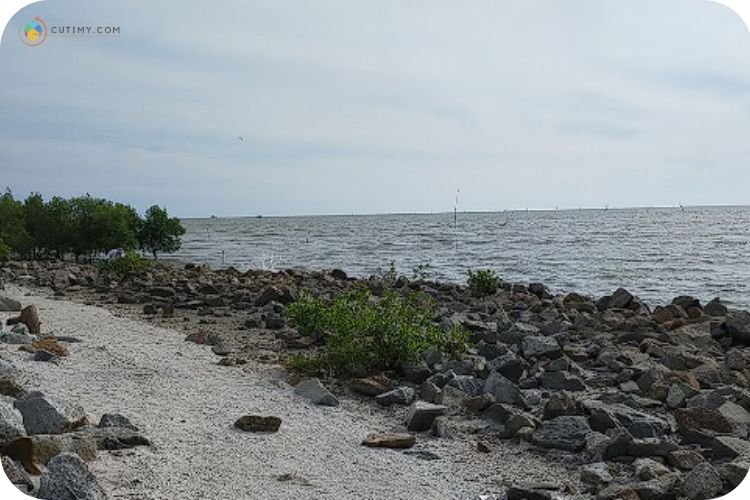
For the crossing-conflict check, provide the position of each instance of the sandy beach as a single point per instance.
(186, 404)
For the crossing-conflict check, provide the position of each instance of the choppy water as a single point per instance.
(655, 253)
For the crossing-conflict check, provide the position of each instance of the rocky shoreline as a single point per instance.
(645, 403)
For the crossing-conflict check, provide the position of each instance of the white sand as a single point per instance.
(186, 404)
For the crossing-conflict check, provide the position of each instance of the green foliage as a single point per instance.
(159, 232)
(421, 271)
(119, 267)
(83, 226)
(483, 282)
(388, 276)
(4, 251)
(375, 333)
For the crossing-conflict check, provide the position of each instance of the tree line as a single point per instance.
(83, 227)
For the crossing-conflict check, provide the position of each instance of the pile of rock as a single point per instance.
(42, 436)
(653, 403)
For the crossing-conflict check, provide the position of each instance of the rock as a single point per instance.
(689, 419)
(150, 309)
(371, 386)
(734, 472)
(51, 345)
(30, 317)
(479, 403)
(42, 415)
(735, 360)
(715, 308)
(394, 440)
(7, 369)
(45, 356)
(685, 459)
(662, 487)
(470, 386)
(737, 416)
(162, 291)
(516, 333)
(540, 347)
(596, 474)
(47, 446)
(16, 474)
(115, 438)
(9, 387)
(559, 404)
(621, 299)
(702, 483)
(11, 422)
(68, 478)
(562, 381)
(116, 420)
(400, 396)
(527, 492)
(646, 469)
(9, 305)
(730, 447)
(257, 423)
(429, 392)
(737, 325)
(314, 391)
(421, 415)
(338, 274)
(565, 433)
(16, 338)
(503, 390)
(675, 397)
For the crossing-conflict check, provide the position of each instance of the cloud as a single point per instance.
(386, 107)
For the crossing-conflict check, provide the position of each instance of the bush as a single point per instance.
(130, 263)
(159, 232)
(483, 282)
(4, 251)
(361, 330)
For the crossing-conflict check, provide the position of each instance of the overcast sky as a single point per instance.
(381, 106)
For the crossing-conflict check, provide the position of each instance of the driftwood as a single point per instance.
(29, 317)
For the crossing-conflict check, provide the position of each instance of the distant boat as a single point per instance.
(214, 217)
(258, 216)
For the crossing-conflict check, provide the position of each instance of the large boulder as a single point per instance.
(314, 391)
(50, 445)
(68, 478)
(565, 433)
(42, 415)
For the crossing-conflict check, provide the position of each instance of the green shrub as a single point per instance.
(388, 276)
(130, 263)
(4, 251)
(421, 271)
(483, 282)
(361, 330)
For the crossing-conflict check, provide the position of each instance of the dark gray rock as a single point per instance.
(564, 433)
(621, 299)
(504, 390)
(540, 347)
(562, 381)
(43, 415)
(400, 396)
(702, 483)
(116, 420)
(421, 415)
(68, 478)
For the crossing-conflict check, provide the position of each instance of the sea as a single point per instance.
(655, 253)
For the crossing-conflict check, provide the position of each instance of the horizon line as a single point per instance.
(448, 212)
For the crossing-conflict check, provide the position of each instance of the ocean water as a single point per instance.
(656, 253)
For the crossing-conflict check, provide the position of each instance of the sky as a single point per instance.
(380, 106)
